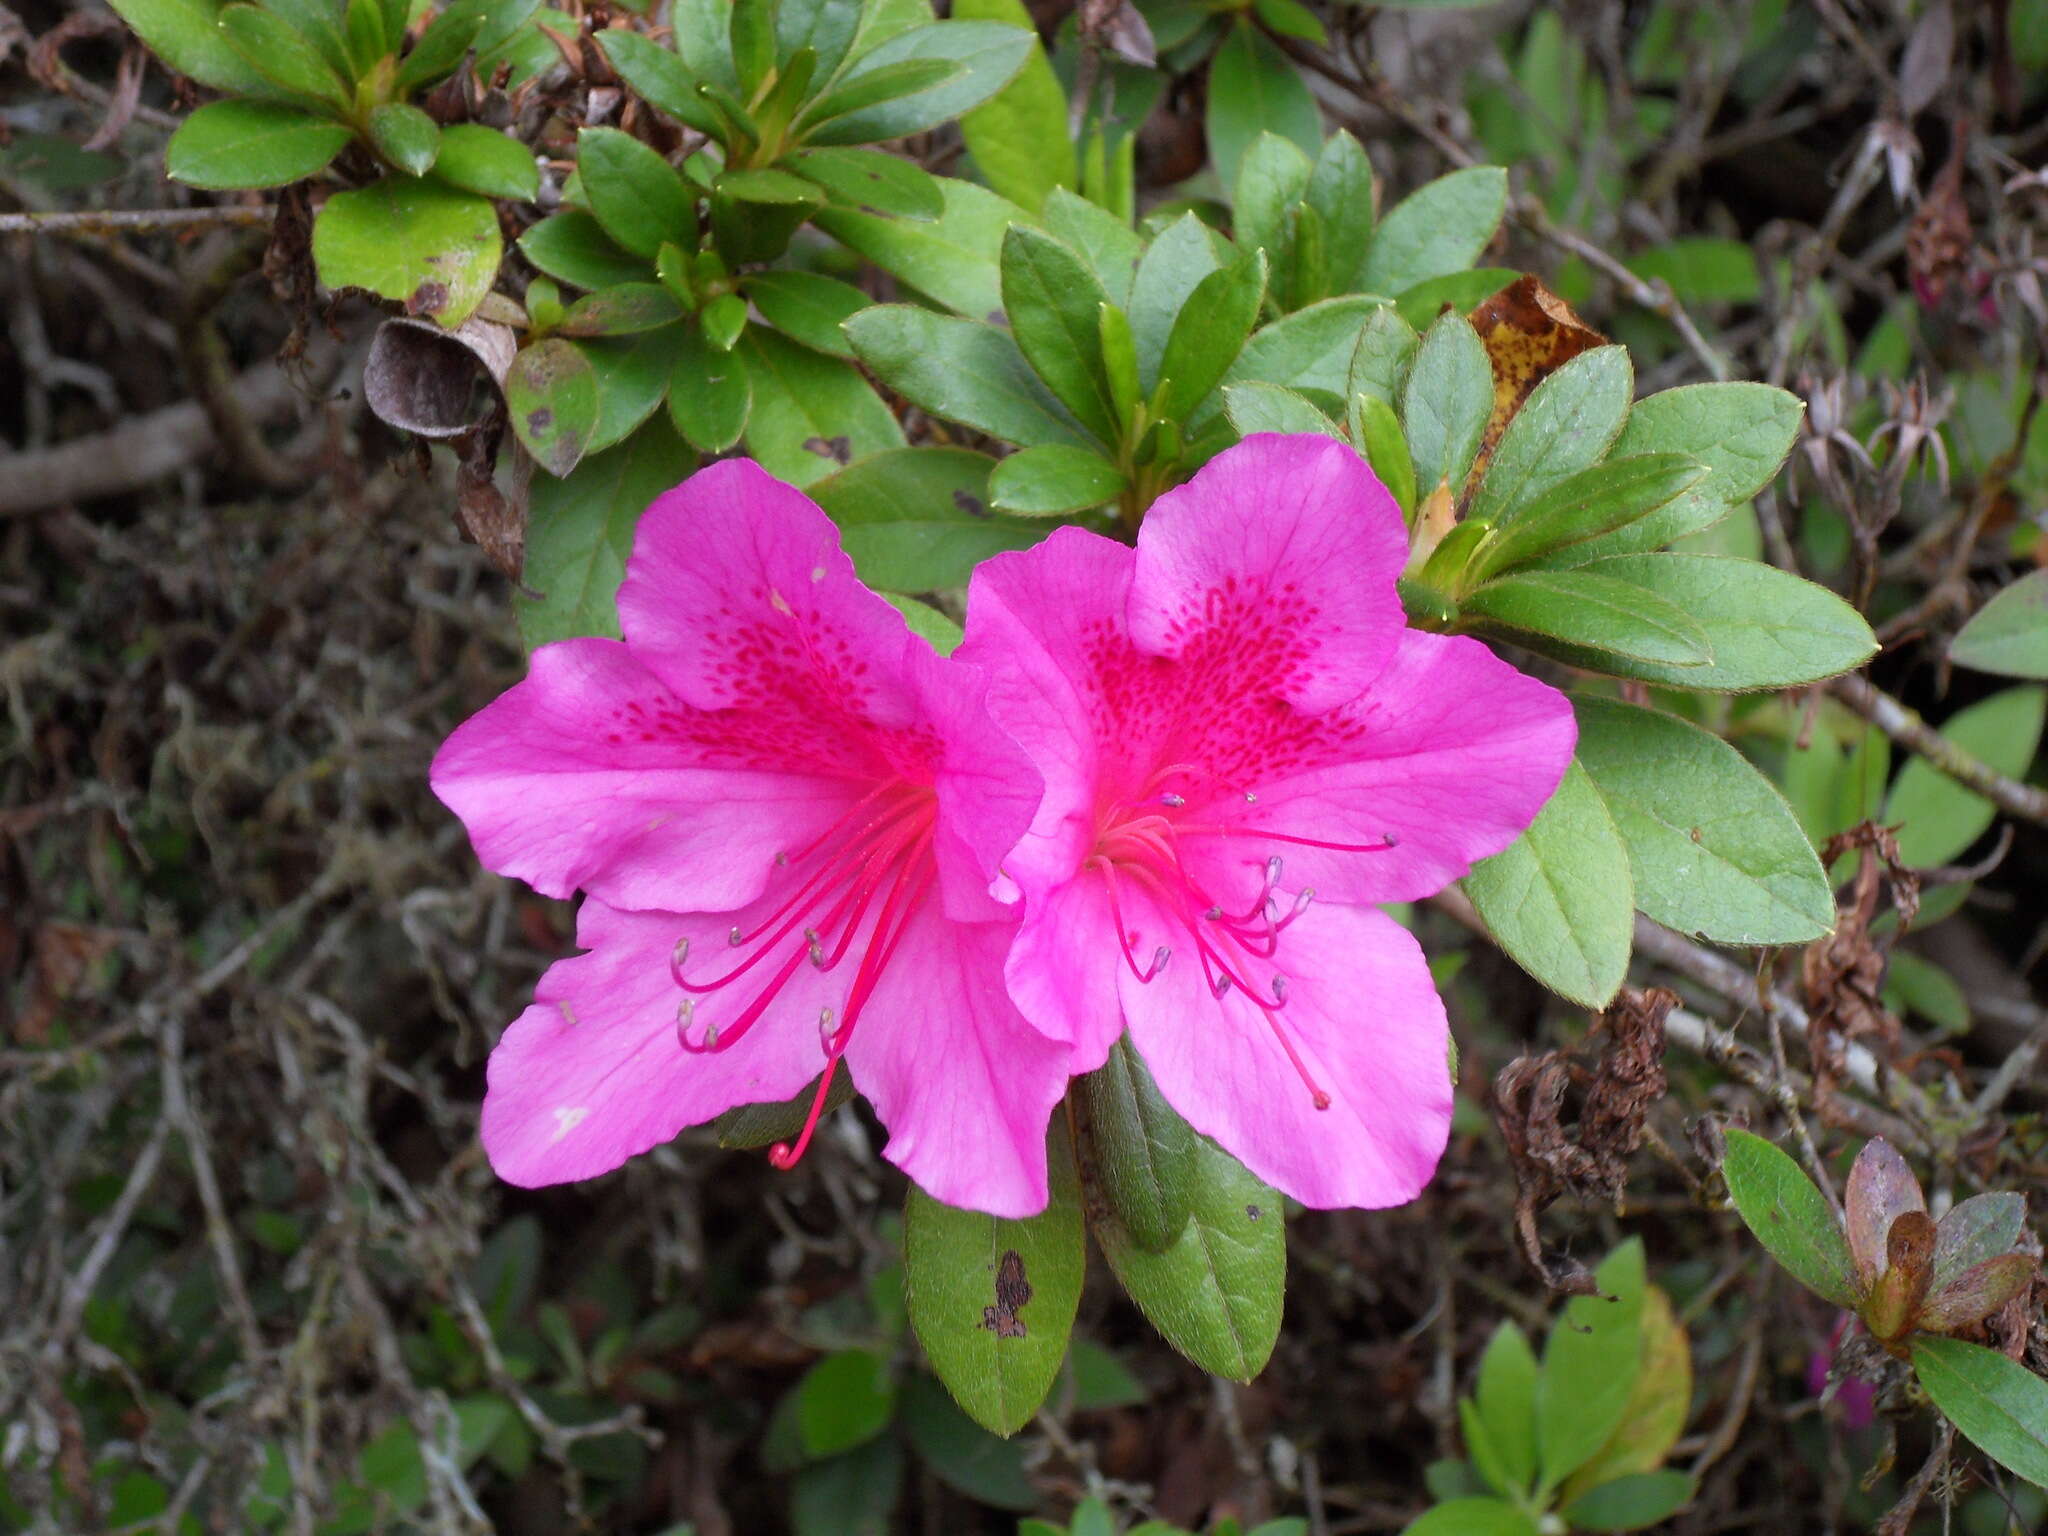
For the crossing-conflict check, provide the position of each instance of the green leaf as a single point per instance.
(854, 1494)
(231, 145)
(2009, 634)
(1216, 1293)
(826, 27)
(480, 159)
(951, 259)
(1176, 261)
(1382, 358)
(1473, 1517)
(1446, 403)
(1589, 1366)
(710, 392)
(963, 1455)
(845, 1400)
(917, 519)
(873, 180)
(962, 1271)
(405, 136)
(1054, 306)
(965, 372)
(418, 243)
(811, 414)
(987, 56)
(624, 310)
(1109, 246)
(186, 35)
(1584, 506)
(1270, 183)
(722, 320)
(1054, 479)
(1560, 898)
(639, 198)
(874, 87)
(1917, 985)
(1566, 424)
(1587, 610)
(1631, 1503)
(1740, 431)
(2000, 1405)
(1788, 1215)
(1701, 270)
(1252, 90)
(659, 76)
(1269, 408)
(1145, 1156)
(1715, 850)
(574, 247)
(927, 623)
(1938, 818)
(551, 396)
(579, 532)
(1309, 350)
(762, 1125)
(442, 46)
(1462, 291)
(1209, 334)
(1506, 1400)
(1340, 189)
(1019, 136)
(276, 50)
(1437, 229)
(1377, 433)
(807, 307)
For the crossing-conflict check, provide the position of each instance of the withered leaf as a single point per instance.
(1529, 333)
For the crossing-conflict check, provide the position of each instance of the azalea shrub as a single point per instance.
(1009, 662)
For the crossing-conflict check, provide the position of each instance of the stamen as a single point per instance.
(1174, 802)
(677, 957)
(782, 1154)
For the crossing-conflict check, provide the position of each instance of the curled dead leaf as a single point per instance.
(433, 382)
(1529, 333)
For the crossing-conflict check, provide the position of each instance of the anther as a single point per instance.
(1219, 986)
(1173, 802)
(826, 1020)
(1159, 958)
(686, 1013)
(737, 937)
(782, 861)
(1390, 840)
(677, 958)
(1280, 989)
(1251, 797)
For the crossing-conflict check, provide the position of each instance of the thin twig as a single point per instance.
(1905, 727)
(100, 224)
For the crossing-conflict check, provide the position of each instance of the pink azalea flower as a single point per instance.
(786, 811)
(1245, 750)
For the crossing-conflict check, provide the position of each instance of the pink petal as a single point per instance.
(591, 774)
(965, 1086)
(739, 596)
(1365, 1020)
(1881, 1189)
(1449, 754)
(592, 1073)
(1063, 967)
(1277, 562)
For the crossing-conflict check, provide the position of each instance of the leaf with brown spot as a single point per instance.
(1012, 1292)
(1529, 333)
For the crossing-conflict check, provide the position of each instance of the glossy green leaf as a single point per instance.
(1209, 335)
(1269, 408)
(1176, 261)
(1446, 403)
(1584, 506)
(441, 47)
(278, 52)
(1631, 1503)
(405, 136)
(1589, 1366)
(1108, 245)
(1937, 818)
(1216, 1294)
(812, 414)
(573, 246)
(1309, 351)
(429, 247)
(1340, 189)
(1789, 1216)
(826, 27)
(1438, 228)
(186, 35)
(951, 259)
(1376, 431)
(1018, 137)
(1560, 899)
(1567, 423)
(1054, 307)
(658, 76)
(710, 392)
(2000, 1405)
(963, 1271)
(987, 55)
(846, 1399)
(480, 159)
(637, 196)
(1740, 431)
(872, 180)
(551, 397)
(962, 371)
(1145, 1157)
(1253, 89)
(1715, 850)
(875, 87)
(1588, 610)
(2009, 634)
(1271, 181)
(231, 145)
(1052, 480)
(918, 519)
(807, 307)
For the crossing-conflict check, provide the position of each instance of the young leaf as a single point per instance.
(1269, 408)
(2009, 634)
(1382, 358)
(1566, 424)
(1209, 334)
(1586, 610)
(1446, 403)
(811, 414)
(1270, 183)
(441, 47)
(1253, 90)
(951, 259)
(1585, 505)
(480, 159)
(826, 27)
(417, 243)
(1787, 1214)
(1147, 1158)
(993, 1301)
(917, 519)
(2000, 1405)
(1178, 258)
(658, 76)
(232, 145)
(1938, 818)
(1309, 351)
(873, 180)
(1107, 244)
(1590, 1365)
(1376, 431)
(405, 136)
(1560, 898)
(638, 197)
(1505, 1397)
(1715, 850)
(1054, 479)
(985, 56)
(1018, 137)
(1438, 228)
(573, 246)
(969, 373)
(1340, 191)
(710, 392)
(1216, 1293)
(1651, 1423)
(552, 398)
(873, 87)
(1054, 306)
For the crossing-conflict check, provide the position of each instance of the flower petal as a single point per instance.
(1063, 966)
(1278, 563)
(1979, 1228)
(1977, 1292)
(1364, 1017)
(592, 1073)
(591, 774)
(965, 1086)
(1450, 753)
(1881, 1189)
